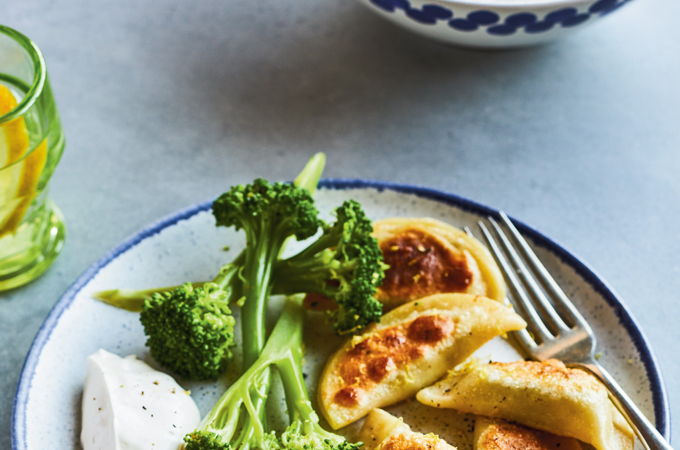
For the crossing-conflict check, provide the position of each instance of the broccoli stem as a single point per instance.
(257, 273)
(253, 314)
(284, 351)
(290, 370)
(309, 176)
(313, 274)
(133, 300)
(224, 418)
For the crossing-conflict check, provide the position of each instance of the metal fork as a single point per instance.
(556, 329)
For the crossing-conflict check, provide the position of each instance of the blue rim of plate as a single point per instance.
(659, 396)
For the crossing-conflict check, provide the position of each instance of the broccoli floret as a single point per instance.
(204, 440)
(310, 436)
(263, 208)
(234, 422)
(268, 213)
(344, 264)
(190, 330)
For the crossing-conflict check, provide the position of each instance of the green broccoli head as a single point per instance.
(362, 261)
(311, 436)
(263, 207)
(190, 330)
(344, 264)
(204, 440)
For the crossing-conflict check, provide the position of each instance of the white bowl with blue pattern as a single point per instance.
(493, 23)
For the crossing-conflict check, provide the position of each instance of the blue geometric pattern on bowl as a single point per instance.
(490, 21)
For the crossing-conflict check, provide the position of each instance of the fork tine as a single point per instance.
(526, 342)
(555, 322)
(560, 299)
(519, 294)
(523, 337)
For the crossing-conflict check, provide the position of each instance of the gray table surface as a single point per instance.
(165, 103)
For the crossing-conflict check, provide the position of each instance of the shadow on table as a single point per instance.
(350, 70)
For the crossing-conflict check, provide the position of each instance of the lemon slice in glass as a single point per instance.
(19, 172)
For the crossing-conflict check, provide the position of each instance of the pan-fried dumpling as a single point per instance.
(411, 347)
(494, 434)
(544, 395)
(427, 257)
(383, 431)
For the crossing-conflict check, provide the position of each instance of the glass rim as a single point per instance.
(39, 75)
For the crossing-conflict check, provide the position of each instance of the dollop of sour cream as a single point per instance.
(128, 405)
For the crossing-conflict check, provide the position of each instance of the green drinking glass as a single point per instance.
(31, 144)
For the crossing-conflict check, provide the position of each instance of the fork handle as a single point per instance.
(646, 432)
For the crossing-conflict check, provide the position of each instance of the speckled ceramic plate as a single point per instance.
(187, 246)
